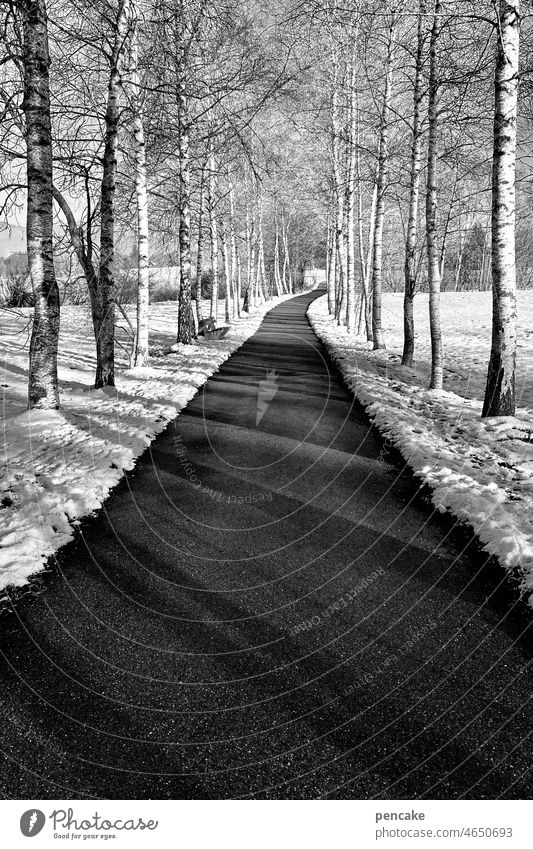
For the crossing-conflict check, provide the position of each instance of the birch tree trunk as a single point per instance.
(285, 264)
(239, 284)
(366, 261)
(277, 275)
(261, 275)
(431, 209)
(235, 286)
(350, 204)
(500, 390)
(383, 166)
(254, 286)
(185, 314)
(340, 243)
(287, 274)
(248, 295)
(213, 235)
(200, 249)
(343, 291)
(330, 275)
(43, 388)
(414, 195)
(227, 272)
(141, 192)
(257, 283)
(360, 236)
(105, 342)
(361, 247)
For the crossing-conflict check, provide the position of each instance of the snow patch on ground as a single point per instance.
(58, 466)
(479, 470)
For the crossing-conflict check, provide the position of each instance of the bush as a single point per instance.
(164, 292)
(15, 291)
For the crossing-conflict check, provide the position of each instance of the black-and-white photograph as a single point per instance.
(266, 367)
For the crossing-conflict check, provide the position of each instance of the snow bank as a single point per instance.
(479, 470)
(58, 466)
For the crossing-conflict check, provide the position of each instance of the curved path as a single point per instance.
(267, 608)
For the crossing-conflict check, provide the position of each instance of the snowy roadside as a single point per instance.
(479, 470)
(58, 466)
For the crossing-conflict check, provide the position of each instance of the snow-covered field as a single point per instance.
(479, 470)
(58, 466)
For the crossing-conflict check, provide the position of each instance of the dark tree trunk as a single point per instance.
(105, 306)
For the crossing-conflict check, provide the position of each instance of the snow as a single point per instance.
(480, 470)
(58, 466)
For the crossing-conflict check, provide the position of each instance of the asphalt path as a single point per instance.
(268, 607)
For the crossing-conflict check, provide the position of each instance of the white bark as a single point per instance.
(248, 299)
(261, 276)
(235, 287)
(185, 332)
(383, 167)
(213, 234)
(431, 210)
(500, 389)
(43, 388)
(253, 238)
(227, 271)
(330, 270)
(350, 204)
(200, 249)
(366, 259)
(141, 193)
(287, 273)
(277, 275)
(338, 182)
(414, 195)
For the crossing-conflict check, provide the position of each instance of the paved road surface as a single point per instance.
(266, 608)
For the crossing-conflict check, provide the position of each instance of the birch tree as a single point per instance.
(277, 276)
(213, 231)
(42, 386)
(235, 277)
(105, 339)
(200, 246)
(365, 259)
(351, 156)
(141, 193)
(185, 315)
(339, 195)
(248, 294)
(383, 165)
(431, 208)
(287, 274)
(227, 271)
(410, 270)
(500, 389)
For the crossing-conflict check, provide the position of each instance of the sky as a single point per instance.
(12, 240)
